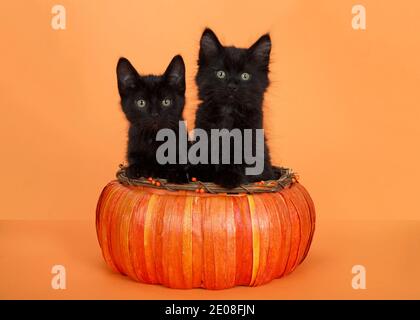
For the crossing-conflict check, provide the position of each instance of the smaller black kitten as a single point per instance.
(151, 103)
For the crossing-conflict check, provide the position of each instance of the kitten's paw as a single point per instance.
(262, 177)
(135, 171)
(229, 178)
(177, 177)
(202, 173)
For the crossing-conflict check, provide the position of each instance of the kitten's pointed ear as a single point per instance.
(261, 49)
(175, 73)
(209, 45)
(126, 75)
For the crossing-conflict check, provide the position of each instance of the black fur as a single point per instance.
(146, 121)
(232, 102)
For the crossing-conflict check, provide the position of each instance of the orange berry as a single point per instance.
(202, 190)
(197, 190)
(158, 184)
(150, 179)
(193, 179)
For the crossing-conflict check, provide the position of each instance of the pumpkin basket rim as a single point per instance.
(286, 177)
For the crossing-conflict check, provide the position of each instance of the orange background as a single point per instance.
(342, 110)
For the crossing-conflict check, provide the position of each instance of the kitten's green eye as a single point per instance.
(166, 102)
(141, 103)
(221, 74)
(245, 76)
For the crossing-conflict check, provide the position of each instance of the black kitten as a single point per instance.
(151, 103)
(231, 85)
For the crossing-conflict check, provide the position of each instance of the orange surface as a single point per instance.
(388, 250)
(342, 110)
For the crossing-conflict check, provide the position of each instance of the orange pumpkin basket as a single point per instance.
(170, 234)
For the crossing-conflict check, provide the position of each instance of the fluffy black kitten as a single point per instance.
(151, 103)
(231, 85)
